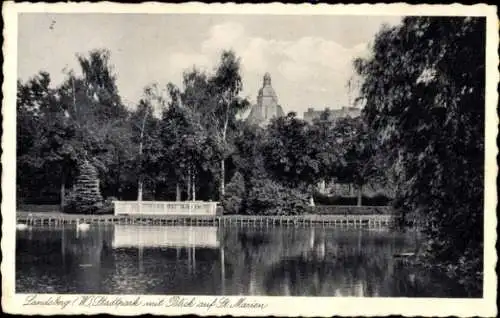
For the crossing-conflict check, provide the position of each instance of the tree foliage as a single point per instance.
(86, 195)
(290, 155)
(235, 195)
(226, 85)
(268, 197)
(424, 92)
(61, 127)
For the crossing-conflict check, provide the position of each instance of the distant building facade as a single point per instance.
(311, 114)
(267, 104)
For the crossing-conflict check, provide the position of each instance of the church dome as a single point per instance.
(267, 104)
(267, 79)
(267, 91)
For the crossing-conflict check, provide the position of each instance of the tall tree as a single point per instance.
(290, 154)
(145, 126)
(226, 84)
(424, 91)
(93, 107)
(326, 139)
(83, 119)
(356, 162)
(247, 157)
(186, 147)
(214, 98)
(198, 95)
(100, 83)
(51, 139)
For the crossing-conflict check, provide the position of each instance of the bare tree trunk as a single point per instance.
(222, 176)
(74, 95)
(322, 186)
(63, 190)
(177, 192)
(189, 185)
(154, 187)
(311, 201)
(360, 195)
(117, 180)
(403, 217)
(141, 179)
(309, 192)
(139, 189)
(193, 175)
(223, 163)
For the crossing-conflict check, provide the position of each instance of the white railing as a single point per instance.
(165, 207)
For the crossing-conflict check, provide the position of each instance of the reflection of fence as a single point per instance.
(162, 236)
(165, 208)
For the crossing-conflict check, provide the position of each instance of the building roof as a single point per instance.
(259, 111)
(267, 91)
(343, 112)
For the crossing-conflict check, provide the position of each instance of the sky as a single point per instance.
(309, 57)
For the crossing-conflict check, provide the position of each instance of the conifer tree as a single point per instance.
(86, 197)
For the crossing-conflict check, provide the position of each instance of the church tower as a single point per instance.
(267, 104)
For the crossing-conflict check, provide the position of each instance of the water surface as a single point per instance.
(275, 261)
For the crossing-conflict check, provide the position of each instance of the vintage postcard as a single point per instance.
(249, 160)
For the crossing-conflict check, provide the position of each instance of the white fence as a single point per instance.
(165, 207)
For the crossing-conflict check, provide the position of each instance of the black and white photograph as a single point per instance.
(242, 155)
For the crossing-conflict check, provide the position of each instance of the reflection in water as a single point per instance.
(302, 261)
(161, 236)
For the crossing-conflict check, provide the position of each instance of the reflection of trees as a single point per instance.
(320, 262)
(38, 245)
(250, 251)
(38, 261)
(250, 261)
(61, 259)
(262, 246)
(86, 247)
(348, 263)
(332, 275)
(84, 253)
(355, 264)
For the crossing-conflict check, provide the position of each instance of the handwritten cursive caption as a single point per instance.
(208, 303)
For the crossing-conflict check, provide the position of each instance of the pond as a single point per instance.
(274, 261)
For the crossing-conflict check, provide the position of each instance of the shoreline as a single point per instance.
(51, 218)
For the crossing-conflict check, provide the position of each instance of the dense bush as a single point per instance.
(380, 200)
(267, 197)
(235, 195)
(351, 210)
(108, 206)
